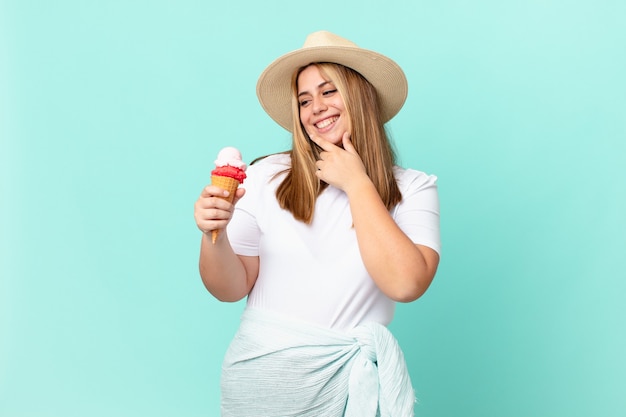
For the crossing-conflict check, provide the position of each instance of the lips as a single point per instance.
(326, 122)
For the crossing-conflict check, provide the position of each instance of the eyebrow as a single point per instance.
(319, 86)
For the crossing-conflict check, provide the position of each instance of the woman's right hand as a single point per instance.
(227, 275)
(212, 211)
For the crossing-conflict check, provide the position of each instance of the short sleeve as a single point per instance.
(418, 212)
(244, 231)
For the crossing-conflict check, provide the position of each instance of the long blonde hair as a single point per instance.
(298, 191)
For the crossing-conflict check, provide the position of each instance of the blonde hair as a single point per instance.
(298, 191)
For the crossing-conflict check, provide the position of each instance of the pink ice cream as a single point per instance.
(230, 156)
(229, 164)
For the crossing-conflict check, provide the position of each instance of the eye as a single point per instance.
(304, 102)
(329, 92)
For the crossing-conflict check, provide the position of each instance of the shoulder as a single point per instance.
(269, 162)
(266, 168)
(413, 180)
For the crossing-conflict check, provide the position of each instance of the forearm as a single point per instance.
(223, 273)
(397, 266)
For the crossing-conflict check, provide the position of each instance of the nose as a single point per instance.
(319, 105)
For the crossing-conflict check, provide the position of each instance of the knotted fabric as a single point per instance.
(279, 367)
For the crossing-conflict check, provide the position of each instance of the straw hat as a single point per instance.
(274, 84)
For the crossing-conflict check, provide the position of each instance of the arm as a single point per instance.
(227, 276)
(400, 268)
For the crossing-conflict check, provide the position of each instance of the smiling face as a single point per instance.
(322, 110)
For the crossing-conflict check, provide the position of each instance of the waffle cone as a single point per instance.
(229, 184)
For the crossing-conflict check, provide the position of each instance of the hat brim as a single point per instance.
(274, 84)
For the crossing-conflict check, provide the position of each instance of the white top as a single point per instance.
(315, 272)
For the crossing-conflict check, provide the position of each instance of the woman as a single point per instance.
(324, 240)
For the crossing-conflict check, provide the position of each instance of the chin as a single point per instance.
(336, 140)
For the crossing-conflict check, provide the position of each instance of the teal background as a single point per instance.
(111, 114)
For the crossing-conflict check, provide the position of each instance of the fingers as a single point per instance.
(347, 143)
(331, 151)
(213, 191)
(209, 218)
(238, 194)
(327, 146)
(323, 143)
(212, 211)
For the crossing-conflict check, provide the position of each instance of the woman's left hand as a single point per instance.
(339, 167)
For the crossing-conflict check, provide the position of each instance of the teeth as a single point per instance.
(326, 122)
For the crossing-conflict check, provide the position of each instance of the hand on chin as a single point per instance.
(333, 137)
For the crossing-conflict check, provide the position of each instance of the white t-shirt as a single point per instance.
(315, 272)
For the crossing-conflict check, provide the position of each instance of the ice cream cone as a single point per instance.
(228, 184)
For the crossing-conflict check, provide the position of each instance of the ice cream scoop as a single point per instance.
(230, 156)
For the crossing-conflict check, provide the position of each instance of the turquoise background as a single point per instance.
(111, 114)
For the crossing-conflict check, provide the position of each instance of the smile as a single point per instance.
(326, 122)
